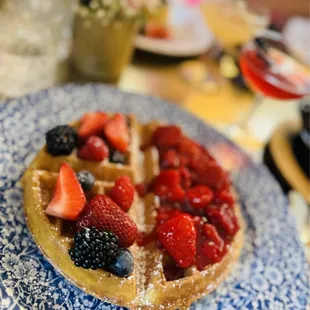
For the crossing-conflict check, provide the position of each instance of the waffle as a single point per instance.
(147, 287)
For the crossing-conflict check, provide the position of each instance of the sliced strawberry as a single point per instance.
(211, 234)
(69, 198)
(178, 237)
(224, 197)
(188, 148)
(208, 253)
(186, 178)
(170, 159)
(210, 246)
(167, 186)
(224, 219)
(167, 177)
(94, 149)
(104, 214)
(174, 193)
(117, 133)
(92, 124)
(123, 193)
(184, 160)
(166, 136)
(206, 171)
(199, 196)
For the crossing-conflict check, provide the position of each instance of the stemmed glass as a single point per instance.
(270, 72)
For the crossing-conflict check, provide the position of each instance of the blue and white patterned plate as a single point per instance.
(272, 273)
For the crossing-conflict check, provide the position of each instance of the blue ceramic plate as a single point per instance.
(272, 272)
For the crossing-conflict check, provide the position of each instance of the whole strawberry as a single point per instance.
(104, 214)
(123, 193)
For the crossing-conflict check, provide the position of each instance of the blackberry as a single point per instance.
(61, 140)
(86, 179)
(93, 249)
(117, 157)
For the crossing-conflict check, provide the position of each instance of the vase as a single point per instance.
(102, 50)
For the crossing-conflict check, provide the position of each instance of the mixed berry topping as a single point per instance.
(86, 179)
(61, 140)
(196, 220)
(99, 136)
(102, 227)
(93, 249)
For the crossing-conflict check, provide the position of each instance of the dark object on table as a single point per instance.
(85, 2)
(239, 82)
(304, 108)
(287, 155)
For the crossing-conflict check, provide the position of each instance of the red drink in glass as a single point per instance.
(274, 73)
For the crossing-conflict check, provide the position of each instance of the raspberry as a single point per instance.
(123, 193)
(94, 149)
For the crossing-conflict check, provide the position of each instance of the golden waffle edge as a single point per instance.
(147, 287)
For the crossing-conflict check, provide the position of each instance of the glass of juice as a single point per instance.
(271, 72)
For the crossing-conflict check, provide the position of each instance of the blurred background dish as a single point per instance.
(180, 31)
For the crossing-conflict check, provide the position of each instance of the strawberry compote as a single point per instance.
(196, 221)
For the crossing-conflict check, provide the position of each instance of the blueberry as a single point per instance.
(117, 157)
(123, 264)
(86, 179)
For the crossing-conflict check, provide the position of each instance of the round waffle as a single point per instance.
(147, 287)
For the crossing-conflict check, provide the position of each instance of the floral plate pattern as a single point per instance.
(272, 272)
